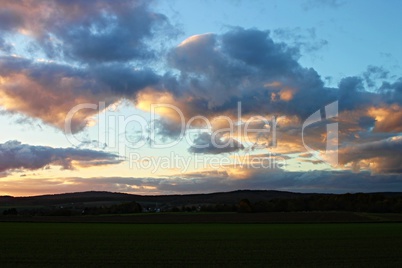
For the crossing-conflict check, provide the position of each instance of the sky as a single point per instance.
(200, 96)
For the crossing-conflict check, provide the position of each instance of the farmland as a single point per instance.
(230, 245)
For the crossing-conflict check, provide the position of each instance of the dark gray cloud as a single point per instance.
(375, 73)
(166, 128)
(255, 48)
(352, 94)
(240, 65)
(392, 92)
(90, 32)
(124, 80)
(206, 143)
(15, 155)
(115, 32)
(9, 18)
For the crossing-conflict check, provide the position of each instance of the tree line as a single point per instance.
(360, 202)
(123, 208)
(341, 202)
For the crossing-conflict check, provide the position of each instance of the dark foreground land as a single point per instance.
(269, 229)
(218, 217)
(200, 245)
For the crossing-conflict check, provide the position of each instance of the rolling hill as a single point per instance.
(176, 200)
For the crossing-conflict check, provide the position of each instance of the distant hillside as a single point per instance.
(56, 199)
(97, 198)
(85, 197)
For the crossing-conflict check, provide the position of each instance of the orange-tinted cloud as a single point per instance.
(388, 118)
(286, 94)
(381, 156)
(49, 91)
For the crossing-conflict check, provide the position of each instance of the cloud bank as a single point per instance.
(314, 181)
(16, 156)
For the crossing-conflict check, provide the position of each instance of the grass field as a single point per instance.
(228, 245)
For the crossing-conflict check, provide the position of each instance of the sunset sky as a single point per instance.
(163, 97)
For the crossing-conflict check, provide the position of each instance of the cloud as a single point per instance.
(99, 31)
(383, 156)
(304, 39)
(352, 94)
(206, 143)
(255, 48)
(48, 90)
(311, 181)
(387, 118)
(247, 65)
(217, 71)
(15, 155)
(392, 92)
(373, 74)
(306, 155)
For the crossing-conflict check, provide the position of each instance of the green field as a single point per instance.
(229, 245)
